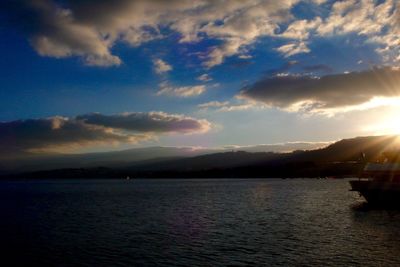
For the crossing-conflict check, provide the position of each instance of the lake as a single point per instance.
(193, 222)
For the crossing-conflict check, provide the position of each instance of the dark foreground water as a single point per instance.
(193, 223)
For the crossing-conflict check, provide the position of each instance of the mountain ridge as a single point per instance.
(342, 158)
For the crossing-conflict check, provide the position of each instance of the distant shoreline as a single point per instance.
(259, 172)
(345, 158)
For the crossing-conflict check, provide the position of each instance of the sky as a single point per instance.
(90, 75)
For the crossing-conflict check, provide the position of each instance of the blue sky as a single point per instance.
(231, 69)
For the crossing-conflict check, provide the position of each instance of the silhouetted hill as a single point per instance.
(342, 158)
(341, 151)
(26, 162)
(115, 159)
(351, 149)
(212, 161)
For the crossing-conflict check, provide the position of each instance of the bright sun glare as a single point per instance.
(386, 124)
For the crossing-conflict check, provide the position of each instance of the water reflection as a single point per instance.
(299, 222)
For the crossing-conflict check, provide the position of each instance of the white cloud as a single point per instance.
(204, 78)
(227, 106)
(244, 56)
(213, 104)
(239, 107)
(182, 91)
(160, 66)
(300, 29)
(293, 48)
(377, 21)
(89, 29)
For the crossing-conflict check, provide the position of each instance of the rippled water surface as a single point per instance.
(220, 222)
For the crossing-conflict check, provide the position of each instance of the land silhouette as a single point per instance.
(344, 158)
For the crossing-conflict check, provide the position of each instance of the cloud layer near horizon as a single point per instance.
(91, 28)
(296, 92)
(157, 122)
(58, 133)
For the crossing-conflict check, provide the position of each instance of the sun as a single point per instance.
(391, 126)
(383, 117)
(387, 124)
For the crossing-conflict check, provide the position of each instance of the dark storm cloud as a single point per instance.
(331, 91)
(57, 133)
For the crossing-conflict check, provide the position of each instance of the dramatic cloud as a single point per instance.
(327, 92)
(56, 133)
(159, 122)
(59, 133)
(90, 28)
(53, 31)
(161, 66)
(183, 91)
